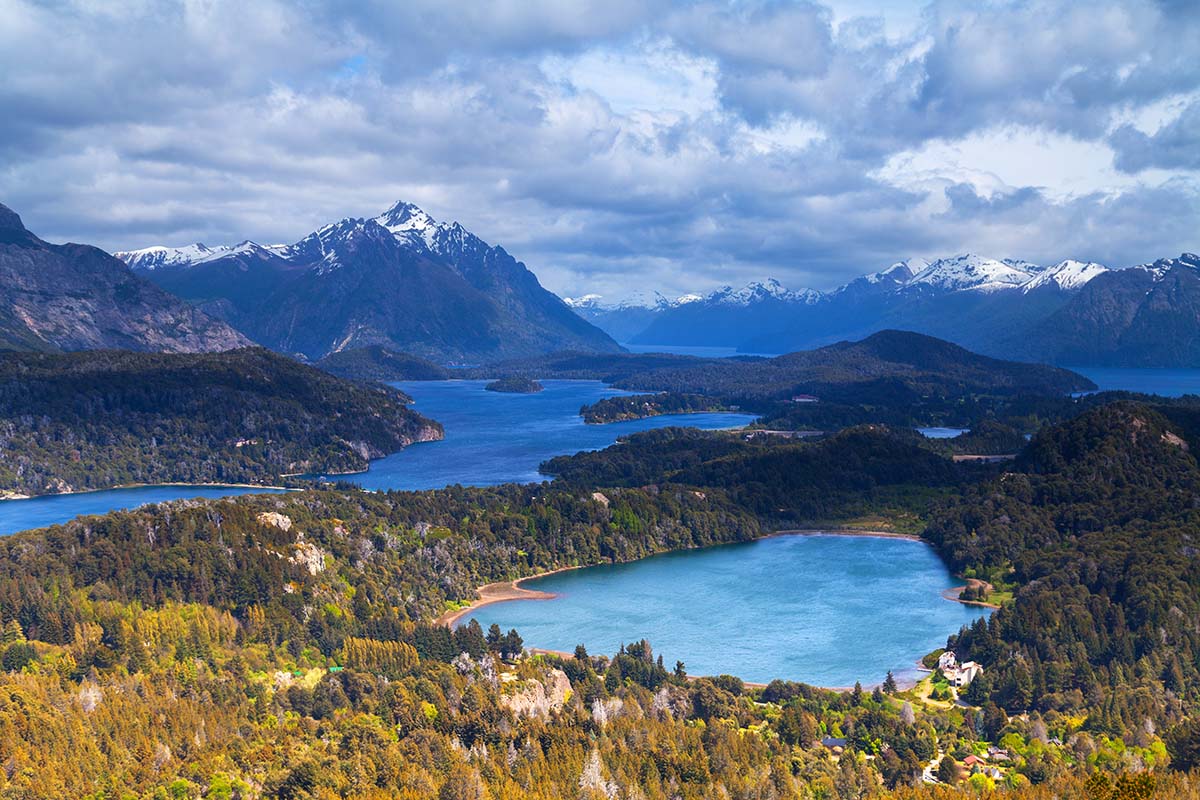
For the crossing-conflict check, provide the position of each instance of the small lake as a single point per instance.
(826, 610)
(491, 438)
(942, 433)
(1164, 382)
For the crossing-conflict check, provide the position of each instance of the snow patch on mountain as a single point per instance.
(1067, 275)
(975, 273)
(1162, 266)
(584, 301)
(409, 223)
(758, 292)
(900, 272)
(158, 256)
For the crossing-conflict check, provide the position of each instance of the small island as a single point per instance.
(514, 385)
(640, 406)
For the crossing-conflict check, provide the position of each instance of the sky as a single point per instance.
(617, 147)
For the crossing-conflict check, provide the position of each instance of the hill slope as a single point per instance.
(376, 363)
(76, 297)
(886, 366)
(400, 280)
(106, 418)
(1095, 524)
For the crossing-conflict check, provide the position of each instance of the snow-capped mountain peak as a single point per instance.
(1067, 275)
(405, 216)
(1162, 266)
(976, 273)
(900, 272)
(757, 292)
(149, 258)
(157, 257)
(584, 301)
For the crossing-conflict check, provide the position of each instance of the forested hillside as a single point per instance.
(282, 646)
(1098, 527)
(377, 363)
(98, 419)
(785, 482)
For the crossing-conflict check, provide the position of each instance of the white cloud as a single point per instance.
(613, 143)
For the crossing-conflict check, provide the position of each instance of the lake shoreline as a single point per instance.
(6, 497)
(503, 591)
(953, 594)
(912, 537)
(499, 592)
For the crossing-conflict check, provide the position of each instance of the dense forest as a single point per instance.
(785, 482)
(1098, 528)
(514, 385)
(638, 406)
(283, 646)
(98, 419)
(376, 363)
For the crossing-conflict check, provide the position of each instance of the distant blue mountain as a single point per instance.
(1073, 312)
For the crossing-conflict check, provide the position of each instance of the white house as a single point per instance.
(958, 675)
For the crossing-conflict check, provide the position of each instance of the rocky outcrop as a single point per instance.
(77, 297)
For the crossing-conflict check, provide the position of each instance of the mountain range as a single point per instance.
(400, 280)
(76, 297)
(1072, 312)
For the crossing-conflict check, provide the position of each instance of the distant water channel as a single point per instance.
(1165, 382)
(827, 610)
(491, 438)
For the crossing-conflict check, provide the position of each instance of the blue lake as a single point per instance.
(942, 433)
(497, 437)
(491, 438)
(1165, 382)
(826, 610)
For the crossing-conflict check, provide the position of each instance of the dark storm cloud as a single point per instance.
(132, 123)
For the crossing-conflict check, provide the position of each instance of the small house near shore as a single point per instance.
(958, 675)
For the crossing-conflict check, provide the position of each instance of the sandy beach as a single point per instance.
(498, 593)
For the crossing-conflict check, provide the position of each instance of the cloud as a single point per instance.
(1175, 145)
(613, 145)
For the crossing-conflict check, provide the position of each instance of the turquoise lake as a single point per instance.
(491, 438)
(942, 433)
(826, 610)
